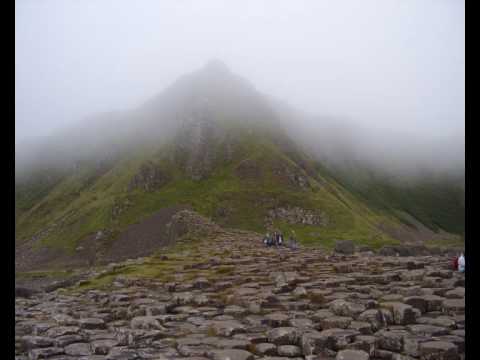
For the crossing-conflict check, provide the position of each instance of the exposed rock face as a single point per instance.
(149, 178)
(297, 215)
(293, 176)
(187, 221)
(196, 143)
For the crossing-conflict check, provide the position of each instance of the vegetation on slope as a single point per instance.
(81, 205)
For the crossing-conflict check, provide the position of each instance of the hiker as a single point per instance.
(280, 239)
(455, 263)
(266, 239)
(461, 263)
(270, 240)
(275, 239)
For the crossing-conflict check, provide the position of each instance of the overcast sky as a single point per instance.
(384, 64)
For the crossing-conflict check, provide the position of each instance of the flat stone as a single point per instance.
(234, 310)
(457, 293)
(434, 302)
(276, 319)
(102, 347)
(362, 327)
(300, 323)
(266, 349)
(402, 313)
(231, 354)
(431, 330)
(322, 314)
(146, 323)
(31, 342)
(289, 351)
(284, 336)
(366, 343)
(438, 350)
(45, 353)
(443, 321)
(92, 323)
(227, 327)
(391, 340)
(344, 308)
(65, 340)
(62, 330)
(453, 306)
(417, 302)
(122, 353)
(411, 344)
(339, 322)
(78, 349)
(352, 355)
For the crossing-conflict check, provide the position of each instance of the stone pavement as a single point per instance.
(237, 300)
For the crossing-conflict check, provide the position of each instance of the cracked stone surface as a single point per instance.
(234, 299)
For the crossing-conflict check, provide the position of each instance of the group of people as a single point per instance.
(459, 263)
(277, 239)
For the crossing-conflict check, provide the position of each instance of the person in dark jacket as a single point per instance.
(280, 239)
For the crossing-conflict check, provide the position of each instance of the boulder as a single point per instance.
(346, 247)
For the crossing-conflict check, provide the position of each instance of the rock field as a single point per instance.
(236, 300)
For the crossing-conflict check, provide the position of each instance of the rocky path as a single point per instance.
(236, 300)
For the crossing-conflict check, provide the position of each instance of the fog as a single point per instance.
(379, 80)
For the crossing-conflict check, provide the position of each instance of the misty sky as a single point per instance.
(384, 64)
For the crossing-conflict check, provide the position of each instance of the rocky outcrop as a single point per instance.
(189, 222)
(346, 247)
(150, 177)
(197, 143)
(297, 215)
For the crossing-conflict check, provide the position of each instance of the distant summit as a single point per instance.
(217, 66)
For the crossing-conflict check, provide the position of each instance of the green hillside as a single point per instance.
(82, 203)
(225, 156)
(437, 202)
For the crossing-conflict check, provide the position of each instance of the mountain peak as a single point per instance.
(217, 66)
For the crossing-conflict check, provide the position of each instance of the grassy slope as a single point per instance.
(88, 208)
(437, 203)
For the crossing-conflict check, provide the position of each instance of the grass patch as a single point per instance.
(44, 274)
(316, 298)
(225, 270)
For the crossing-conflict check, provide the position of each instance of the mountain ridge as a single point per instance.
(217, 147)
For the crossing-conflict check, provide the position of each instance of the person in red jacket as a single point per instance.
(455, 263)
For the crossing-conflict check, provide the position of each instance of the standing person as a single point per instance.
(265, 239)
(280, 239)
(455, 263)
(461, 263)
